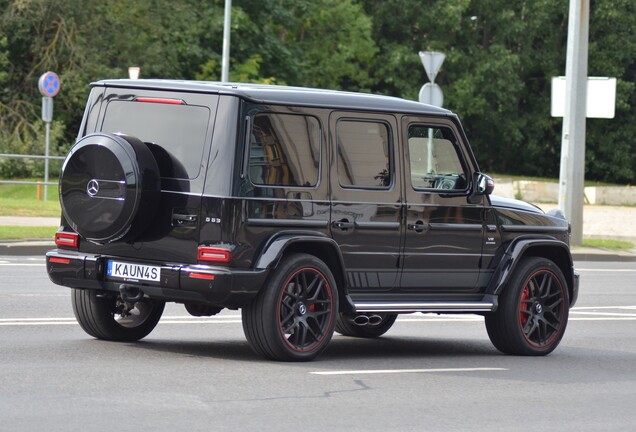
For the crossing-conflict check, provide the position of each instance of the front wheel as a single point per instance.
(533, 310)
(293, 317)
(109, 318)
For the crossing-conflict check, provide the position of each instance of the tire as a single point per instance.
(533, 310)
(293, 317)
(109, 187)
(99, 317)
(346, 327)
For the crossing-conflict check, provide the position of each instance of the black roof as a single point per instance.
(282, 95)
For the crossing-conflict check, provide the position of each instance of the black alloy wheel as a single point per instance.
(533, 310)
(293, 318)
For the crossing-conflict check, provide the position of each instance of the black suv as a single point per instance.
(310, 210)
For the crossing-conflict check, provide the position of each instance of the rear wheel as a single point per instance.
(293, 317)
(109, 318)
(533, 310)
(370, 326)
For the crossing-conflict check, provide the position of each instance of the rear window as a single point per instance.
(174, 133)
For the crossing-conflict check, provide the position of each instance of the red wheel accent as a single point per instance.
(542, 308)
(305, 310)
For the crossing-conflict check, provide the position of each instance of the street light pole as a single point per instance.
(225, 62)
(572, 173)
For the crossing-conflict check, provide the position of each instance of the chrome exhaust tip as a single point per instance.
(375, 320)
(361, 320)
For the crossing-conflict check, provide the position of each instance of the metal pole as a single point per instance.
(572, 173)
(225, 62)
(46, 161)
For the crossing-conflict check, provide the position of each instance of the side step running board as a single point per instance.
(468, 307)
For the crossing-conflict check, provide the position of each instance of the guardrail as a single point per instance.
(46, 183)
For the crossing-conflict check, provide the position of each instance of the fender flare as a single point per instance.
(323, 247)
(556, 250)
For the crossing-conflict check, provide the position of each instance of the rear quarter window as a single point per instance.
(284, 150)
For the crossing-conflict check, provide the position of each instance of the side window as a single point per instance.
(434, 160)
(363, 154)
(284, 150)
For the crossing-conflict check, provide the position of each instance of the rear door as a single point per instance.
(366, 200)
(178, 128)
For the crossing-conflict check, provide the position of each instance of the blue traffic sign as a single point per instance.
(49, 84)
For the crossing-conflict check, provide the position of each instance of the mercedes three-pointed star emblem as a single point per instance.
(92, 188)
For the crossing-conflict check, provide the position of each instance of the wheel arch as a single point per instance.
(554, 250)
(323, 248)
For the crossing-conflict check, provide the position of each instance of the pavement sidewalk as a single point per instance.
(610, 222)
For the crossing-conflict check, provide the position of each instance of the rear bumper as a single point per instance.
(182, 283)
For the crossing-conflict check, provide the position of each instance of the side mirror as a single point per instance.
(485, 184)
(482, 185)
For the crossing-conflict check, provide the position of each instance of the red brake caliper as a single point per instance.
(523, 307)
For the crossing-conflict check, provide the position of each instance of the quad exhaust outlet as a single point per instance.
(365, 319)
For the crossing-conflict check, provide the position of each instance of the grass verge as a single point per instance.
(615, 245)
(21, 200)
(26, 232)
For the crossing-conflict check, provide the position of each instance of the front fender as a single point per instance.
(555, 250)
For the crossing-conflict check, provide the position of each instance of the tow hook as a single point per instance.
(130, 294)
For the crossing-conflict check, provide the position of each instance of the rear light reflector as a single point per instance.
(66, 239)
(60, 260)
(214, 254)
(202, 276)
(160, 100)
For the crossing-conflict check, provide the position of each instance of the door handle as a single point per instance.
(418, 226)
(181, 219)
(343, 224)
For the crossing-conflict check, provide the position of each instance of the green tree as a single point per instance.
(501, 57)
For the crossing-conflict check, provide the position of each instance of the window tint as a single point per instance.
(363, 154)
(434, 161)
(176, 133)
(284, 150)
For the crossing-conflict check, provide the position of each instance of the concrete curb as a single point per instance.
(40, 247)
(26, 247)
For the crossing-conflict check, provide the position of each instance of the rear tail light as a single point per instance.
(67, 239)
(214, 254)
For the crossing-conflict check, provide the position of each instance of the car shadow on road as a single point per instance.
(340, 348)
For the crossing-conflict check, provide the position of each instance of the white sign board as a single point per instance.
(601, 97)
(432, 61)
(432, 94)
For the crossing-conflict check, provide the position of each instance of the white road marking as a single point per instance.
(405, 371)
(604, 314)
(228, 319)
(606, 270)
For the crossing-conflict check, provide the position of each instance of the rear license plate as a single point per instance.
(133, 272)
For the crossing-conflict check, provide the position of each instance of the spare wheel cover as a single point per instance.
(109, 186)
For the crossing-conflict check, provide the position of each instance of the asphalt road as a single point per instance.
(427, 374)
